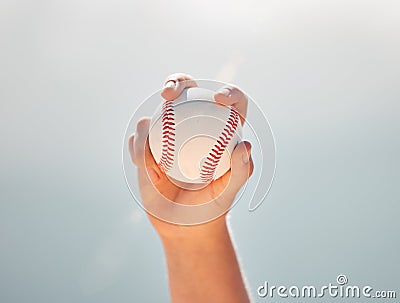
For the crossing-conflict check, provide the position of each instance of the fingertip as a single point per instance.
(169, 94)
(241, 167)
(130, 146)
(130, 142)
(247, 146)
(140, 138)
(222, 96)
(143, 125)
(248, 157)
(243, 147)
(241, 158)
(175, 84)
(169, 90)
(131, 139)
(170, 84)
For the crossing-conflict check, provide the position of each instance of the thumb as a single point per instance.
(141, 154)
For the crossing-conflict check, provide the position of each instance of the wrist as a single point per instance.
(173, 235)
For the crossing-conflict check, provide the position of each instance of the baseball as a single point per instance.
(192, 137)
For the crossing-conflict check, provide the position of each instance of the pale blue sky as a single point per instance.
(326, 73)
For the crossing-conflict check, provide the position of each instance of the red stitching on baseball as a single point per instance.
(208, 168)
(168, 136)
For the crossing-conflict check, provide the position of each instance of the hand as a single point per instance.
(156, 188)
(199, 256)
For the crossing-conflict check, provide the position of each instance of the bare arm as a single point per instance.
(201, 260)
(202, 266)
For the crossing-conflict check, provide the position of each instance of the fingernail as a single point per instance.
(142, 127)
(170, 84)
(224, 91)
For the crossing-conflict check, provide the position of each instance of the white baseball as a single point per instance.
(192, 137)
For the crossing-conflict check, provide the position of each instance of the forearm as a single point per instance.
(202, 265)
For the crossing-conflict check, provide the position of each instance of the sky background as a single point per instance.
(72, 73)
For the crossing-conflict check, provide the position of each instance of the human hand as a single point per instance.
(157, 189)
